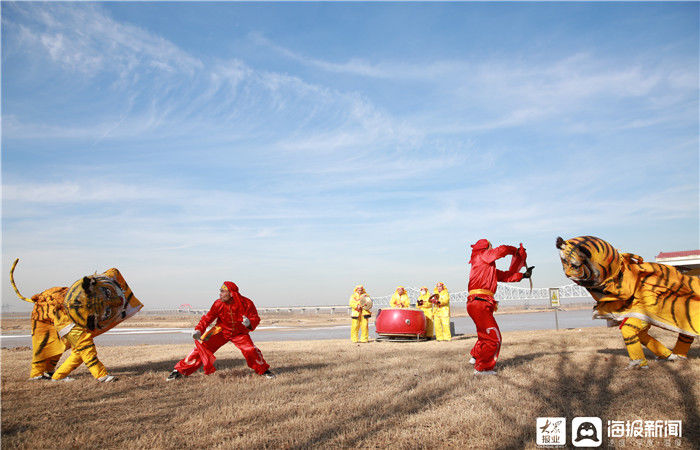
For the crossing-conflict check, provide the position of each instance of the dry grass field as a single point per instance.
(333, 394)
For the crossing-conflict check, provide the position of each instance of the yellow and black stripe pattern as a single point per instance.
(47, 347)
(93, 301)
(625, 286)
(45, 304)
(83, 351)
(99, 302)
(588, 260)
(630, 333)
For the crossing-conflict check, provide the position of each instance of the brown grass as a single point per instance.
(337, 394)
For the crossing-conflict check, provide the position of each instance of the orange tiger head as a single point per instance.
(95, 302)
(587, 260)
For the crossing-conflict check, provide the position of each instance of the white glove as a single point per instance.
(246, 322)
(196, 334)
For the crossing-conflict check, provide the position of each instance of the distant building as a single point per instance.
(687, 261)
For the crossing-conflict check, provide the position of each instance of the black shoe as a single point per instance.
(528, 272)
(269, 374)
(174, 375)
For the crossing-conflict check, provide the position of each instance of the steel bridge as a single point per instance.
(570, 293)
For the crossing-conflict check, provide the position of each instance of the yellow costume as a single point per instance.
(424, 305)
(93, 305)
(360, 316)
(83, 351)
(400, 299)
(625, 287)
(636, 330)
(47, 347)
(441, 313)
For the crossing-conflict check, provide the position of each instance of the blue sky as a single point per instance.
(301, 148)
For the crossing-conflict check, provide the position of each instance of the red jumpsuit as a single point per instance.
(229, 316)
(483, 279)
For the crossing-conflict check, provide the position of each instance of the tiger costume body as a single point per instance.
(47, 347)
(638, 294)
(65, 317)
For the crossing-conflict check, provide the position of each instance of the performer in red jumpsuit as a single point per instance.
(483, 279)
(236, 316)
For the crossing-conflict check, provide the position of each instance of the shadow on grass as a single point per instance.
(392, 418)
(13, 428)
(519, 360)
(463, 337)
(570, 391)
(623, 352)
(686, 385)
(168, 365)
(694, 353)
(410, 398)
(221, 364)
(282, 370)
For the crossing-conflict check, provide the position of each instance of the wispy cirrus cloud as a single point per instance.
(514, 92)
(121, 143)
(167, 89)
(85, 40)
(185, 93)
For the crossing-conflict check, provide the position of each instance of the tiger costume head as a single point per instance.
(588, 261)
(95, 302)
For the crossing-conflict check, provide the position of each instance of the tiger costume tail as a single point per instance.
(12, 280)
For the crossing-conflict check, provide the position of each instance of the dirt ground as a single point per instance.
(335, 394)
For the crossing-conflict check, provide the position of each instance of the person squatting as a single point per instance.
(236, 316)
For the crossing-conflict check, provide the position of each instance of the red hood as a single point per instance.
(481, 245)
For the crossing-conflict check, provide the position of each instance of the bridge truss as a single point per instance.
(505, 293)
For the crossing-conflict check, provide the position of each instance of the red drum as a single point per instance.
(400, 322)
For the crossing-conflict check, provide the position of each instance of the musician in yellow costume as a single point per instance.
(400, 299)
(360, 315)
(441, 313)
(638, 294)
(91, 306)
(426, 306)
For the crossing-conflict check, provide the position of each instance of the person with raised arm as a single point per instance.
(483, 281)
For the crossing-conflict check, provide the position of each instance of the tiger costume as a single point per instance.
(47, 347)
(71, 317)
(638, 294)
